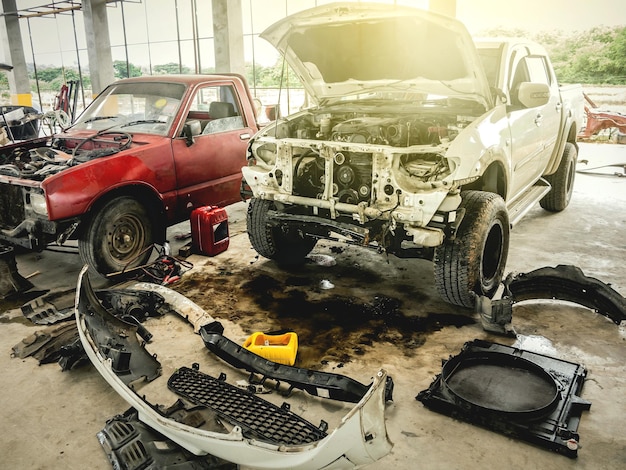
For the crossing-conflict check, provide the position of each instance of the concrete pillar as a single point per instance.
(228, 34)
(98, 45)
(11, 39)
(444, 7)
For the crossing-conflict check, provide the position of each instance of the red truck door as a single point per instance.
(208, 171)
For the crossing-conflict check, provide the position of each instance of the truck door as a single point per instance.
(208, 170)
(531, 128)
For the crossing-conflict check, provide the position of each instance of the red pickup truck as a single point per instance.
(140, 158)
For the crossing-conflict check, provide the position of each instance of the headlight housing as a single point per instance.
(38, 204)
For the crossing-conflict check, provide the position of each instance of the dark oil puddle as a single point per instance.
(343, 325)
(330, 327)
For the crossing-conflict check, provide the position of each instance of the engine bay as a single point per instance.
(376, 129)
(419, 143)
(39, 162)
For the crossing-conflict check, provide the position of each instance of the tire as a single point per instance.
(286, 246)
(474, 261)
(562, 181)
(117, 236)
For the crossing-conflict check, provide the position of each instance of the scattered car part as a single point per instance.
(131, 445)
(361, 438)
(518, 393)
(11, 282)
(569, 283)
(50, 308)
(563, 282)
(116, 340)
(495, 314)
(317, 383)
(257, 418)
(45, 345)
(598, 120)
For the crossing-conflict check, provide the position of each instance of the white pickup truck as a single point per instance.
(421, 142)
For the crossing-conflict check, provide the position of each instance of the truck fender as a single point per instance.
(145, 194)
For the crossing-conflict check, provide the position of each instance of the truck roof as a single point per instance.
(189, 79)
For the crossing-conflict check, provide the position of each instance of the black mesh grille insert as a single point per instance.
(258, 419)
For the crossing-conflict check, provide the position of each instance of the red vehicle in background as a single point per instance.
(141, 157)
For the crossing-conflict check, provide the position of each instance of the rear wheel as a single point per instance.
(474, 261)
(562, 181)
(285, 245)
(117, 236)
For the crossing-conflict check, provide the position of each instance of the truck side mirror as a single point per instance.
(191, 129)
(531, 94)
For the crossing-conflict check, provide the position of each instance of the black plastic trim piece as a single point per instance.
(116, 339)
(566, 282)
(132, 445)
(320, 384)
(553, 426)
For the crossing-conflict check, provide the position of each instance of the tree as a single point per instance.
(122, 68)
(170, 68)
(4, 87)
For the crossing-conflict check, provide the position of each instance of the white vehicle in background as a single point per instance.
(421, 143)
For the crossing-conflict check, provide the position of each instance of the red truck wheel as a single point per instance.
(474, 261)
(117, 236)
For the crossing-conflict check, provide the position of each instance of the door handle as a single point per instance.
(244, 136)
(538, 119)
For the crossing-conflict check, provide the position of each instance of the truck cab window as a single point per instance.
(217, 108)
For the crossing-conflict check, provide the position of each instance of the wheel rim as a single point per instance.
(492, 258)
(127, 238)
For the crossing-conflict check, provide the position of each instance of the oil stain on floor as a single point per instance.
(333, 325)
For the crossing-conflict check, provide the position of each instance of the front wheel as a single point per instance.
(473, 262)
(562, 181)
(286, 245)
(117, 236)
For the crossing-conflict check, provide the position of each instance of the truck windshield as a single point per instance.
(141, 107)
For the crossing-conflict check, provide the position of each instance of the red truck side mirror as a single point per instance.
(190, 129)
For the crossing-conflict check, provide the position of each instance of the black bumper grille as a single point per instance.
(258, 418)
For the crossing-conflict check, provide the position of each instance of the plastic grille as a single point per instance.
(257, 418)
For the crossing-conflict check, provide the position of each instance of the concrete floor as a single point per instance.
(50, 418)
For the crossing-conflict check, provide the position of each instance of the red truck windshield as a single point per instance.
(141, 107)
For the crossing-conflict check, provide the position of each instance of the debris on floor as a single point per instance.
(563, 282)
(11, 282)
(131, 445)
(317, 383)
(519, 393)
(260, 434)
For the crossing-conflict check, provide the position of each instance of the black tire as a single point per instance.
(474, 261)
(285, 246)
(117, 236)
(562, 181)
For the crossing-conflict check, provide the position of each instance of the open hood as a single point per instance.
(342, 49)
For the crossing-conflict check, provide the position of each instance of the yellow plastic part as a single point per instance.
(276, 348)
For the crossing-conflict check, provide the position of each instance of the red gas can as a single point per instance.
(209, 230)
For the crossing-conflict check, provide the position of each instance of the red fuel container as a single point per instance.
(209, 230)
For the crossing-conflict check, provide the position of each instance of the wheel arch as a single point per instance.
(493, 180)
(142, 193)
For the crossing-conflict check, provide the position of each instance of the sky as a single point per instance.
(477, 15)
(541, 15)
